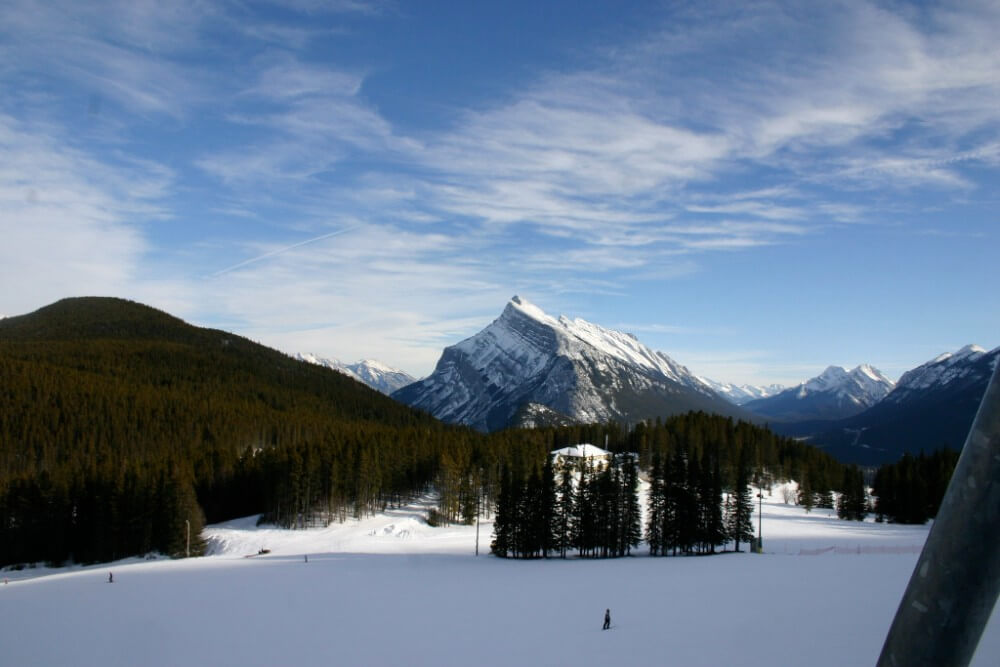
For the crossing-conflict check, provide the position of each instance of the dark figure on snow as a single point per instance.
(607, 619)
(111, 578)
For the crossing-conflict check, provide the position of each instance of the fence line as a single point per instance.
(859, 550)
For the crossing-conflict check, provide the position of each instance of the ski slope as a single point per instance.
(390, 590)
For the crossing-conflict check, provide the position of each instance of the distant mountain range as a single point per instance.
(530, 367)
(930, 406)
(834, 394)
(373, 373)
(744, 393)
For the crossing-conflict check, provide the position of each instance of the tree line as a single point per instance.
(911, 490)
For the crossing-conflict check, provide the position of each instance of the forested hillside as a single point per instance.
(118, 423)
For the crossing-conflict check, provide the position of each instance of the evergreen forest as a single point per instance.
(911, 490)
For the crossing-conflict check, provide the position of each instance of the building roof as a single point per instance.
(582, 451)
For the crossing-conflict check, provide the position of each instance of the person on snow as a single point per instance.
(607, 619)
(111, 578)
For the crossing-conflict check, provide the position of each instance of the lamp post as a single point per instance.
(760, 520)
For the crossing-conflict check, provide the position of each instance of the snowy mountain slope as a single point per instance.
(931, 406)
(834, 394)
(744, 393)
(948, 369)
(373, 373)
(572, 367)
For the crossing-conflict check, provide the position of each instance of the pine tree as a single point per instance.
(715, 533)
(806, 497)
(654, 504)
(564, 511)
(547, 509)
(853, 501)
(504, 518)
(742, 528)
(631, 512)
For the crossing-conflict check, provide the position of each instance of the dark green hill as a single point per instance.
(99, 317)
(118, 423)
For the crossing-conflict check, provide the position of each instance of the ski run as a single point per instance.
(391, 590)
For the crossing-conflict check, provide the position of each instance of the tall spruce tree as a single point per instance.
(654, 507)
(742, 528)
(564, 511)
(852, 505)
(632, 512)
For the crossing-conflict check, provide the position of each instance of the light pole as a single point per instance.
(760, 520)
(188, 524)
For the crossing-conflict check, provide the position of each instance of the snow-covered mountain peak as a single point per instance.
(377, 375)
(971, 350)
(376, 365)
(831, 378)
(871, 373)
(942, 369)
(574, 338)
(833, 394)
(571, 366)
(744, 393)
(524, 307)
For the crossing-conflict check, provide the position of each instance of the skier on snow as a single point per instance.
(607, 619)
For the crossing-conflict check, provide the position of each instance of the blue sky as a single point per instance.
(757, 189)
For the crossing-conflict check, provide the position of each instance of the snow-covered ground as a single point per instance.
(390, 590)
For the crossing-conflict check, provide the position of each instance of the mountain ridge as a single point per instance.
(836, 393)
(570, 366)
(379, 376)
(931, 406)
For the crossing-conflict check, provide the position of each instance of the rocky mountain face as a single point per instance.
(930, 407)
(834, 394)
(571, 368)
(373, 373)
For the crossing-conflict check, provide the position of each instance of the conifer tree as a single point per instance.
(715, 531)
(632, 513)
(564, 511)
(806, 497)
(742, 528)
(654, 503)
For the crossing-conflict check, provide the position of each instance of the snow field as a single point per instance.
(390, 590)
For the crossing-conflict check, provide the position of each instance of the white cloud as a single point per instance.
(70, 222)
(721, 132)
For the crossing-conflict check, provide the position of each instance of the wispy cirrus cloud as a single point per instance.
(69, 221)
(719, 129)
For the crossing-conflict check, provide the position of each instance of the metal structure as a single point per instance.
(954, 586)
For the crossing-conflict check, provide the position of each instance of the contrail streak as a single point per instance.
(267, 255)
